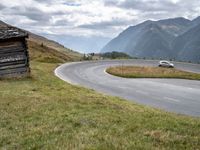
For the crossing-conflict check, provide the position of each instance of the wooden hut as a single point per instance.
(14, 58)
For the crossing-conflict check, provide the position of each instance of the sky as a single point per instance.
(87, 25)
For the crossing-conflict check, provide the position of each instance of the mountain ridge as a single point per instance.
(155, 39)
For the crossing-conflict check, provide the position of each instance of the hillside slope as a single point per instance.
(38, 45)
(43, 53)
(39, 40)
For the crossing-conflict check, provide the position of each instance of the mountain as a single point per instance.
(196, 21)
(175, 26)
(39, 45)
(152, 42)
(187, 45)
(147, 39)
(159, 39)
(130, 35)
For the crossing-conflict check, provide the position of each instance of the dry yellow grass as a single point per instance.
(151, 72)
(43, 53)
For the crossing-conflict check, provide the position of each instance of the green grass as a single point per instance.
(151, 72)
(43, 112)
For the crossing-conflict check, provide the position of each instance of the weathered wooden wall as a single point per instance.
(14, 60)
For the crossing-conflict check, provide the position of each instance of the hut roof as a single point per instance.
(11, 32)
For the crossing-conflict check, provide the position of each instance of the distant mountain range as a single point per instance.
(176, 38)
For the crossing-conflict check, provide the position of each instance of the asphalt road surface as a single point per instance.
(174, 95)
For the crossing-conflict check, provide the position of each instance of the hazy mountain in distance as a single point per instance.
(175, 26)
(81, 43)
(196, 21)
(152, 42)
(187, 45)
(156, 39)
(147, 39)
(130, 35)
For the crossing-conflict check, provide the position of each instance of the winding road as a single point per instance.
(174, 95)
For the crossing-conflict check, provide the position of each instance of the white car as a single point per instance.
(165, 63)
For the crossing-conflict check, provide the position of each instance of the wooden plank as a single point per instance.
(12, 50)
(11, 63)
(17, 38)
(11, 47)
(12, 58)
(13, 66)
(10, 44)
(12, 71)
(6, 55)
(15, 75)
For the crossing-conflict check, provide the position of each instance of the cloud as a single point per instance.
(86, 18)
(2, 7)
(115, 22)
(78, 15)
(31, 13)
(150, 6)
(178, 7)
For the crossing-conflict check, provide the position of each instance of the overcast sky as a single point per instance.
(90, 19)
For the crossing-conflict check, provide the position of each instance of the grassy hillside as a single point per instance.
(43, 112)
(33, 38)
(43, 53)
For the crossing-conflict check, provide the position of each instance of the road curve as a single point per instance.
(174, 95)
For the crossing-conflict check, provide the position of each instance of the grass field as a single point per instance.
(151, 72)
(43, 112)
